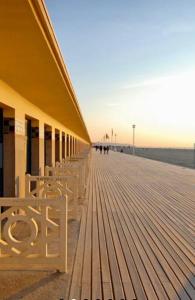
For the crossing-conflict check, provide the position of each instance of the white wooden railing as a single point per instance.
(53, 187)
(42, 214)
(68, 170)
(74, 165)
(45, 244)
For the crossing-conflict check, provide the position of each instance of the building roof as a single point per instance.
(31, 62)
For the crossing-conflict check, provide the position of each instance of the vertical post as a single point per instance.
(133, 126)
(53, 146)
(65, 145)
(27, 185)
(115, 142)
(60, 146)
(41, 147)
(20, 154)
(44, 218)
(76, 146)
(0, 226)
(75, 196)
(73, 146)
(63, 234)
(194, 155)
(46, 170)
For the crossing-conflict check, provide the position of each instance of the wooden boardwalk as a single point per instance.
(137, 235)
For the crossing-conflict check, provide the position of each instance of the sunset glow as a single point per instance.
(132, 63)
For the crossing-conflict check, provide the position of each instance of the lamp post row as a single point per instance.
(115, 135)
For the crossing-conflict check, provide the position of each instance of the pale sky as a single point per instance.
(131, 62)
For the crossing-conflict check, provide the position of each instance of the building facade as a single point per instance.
(40, 119)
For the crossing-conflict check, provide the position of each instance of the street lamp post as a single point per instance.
(115, 141)
(194, 155)
(133, 126)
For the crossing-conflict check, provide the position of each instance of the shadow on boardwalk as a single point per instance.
(37, 285)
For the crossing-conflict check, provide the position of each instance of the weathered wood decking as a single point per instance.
(137, 235)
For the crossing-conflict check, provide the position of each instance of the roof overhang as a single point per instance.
(32, 64)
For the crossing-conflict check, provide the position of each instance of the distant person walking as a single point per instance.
(100, 149)
(107, 149)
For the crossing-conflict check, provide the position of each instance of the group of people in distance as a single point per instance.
(102, 148)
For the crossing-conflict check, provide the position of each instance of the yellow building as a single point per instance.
(40, 119)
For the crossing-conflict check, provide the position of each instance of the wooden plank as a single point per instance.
(126, 222)
(105, 268)
(173, 279)
(96, 265)
(137, 236)
(115, 273)
(87, 260)
(125, 277)
(75, 284)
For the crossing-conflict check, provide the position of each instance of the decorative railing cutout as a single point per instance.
(43, 244)
(53, 187)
